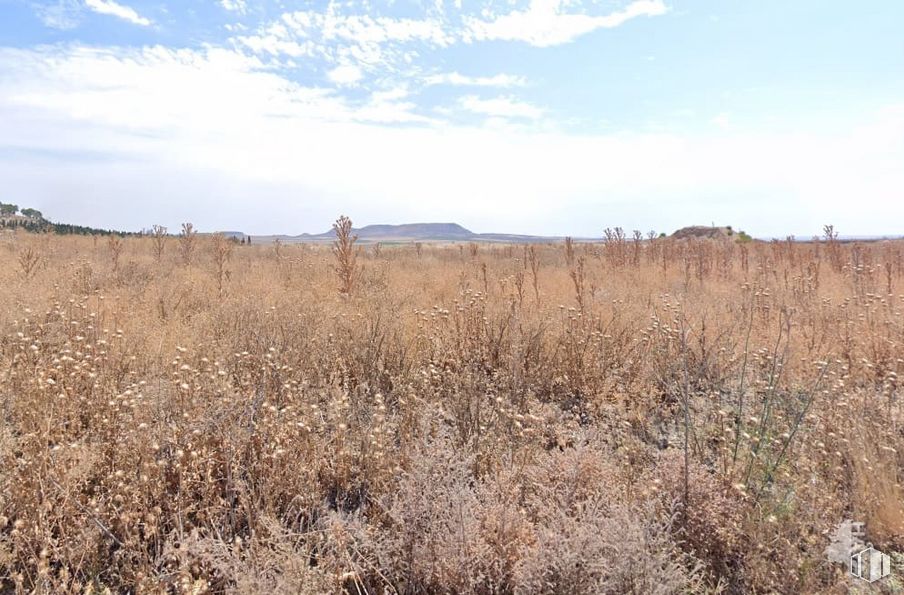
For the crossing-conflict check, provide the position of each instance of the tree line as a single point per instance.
(33, 220)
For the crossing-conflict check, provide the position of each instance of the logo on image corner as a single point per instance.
(863, 560)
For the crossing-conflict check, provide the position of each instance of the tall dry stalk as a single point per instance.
(222, 251)
(615, 246)
(833, 247)
(28, 258)
(577, 278)
(519, 286)
(569, 252)
(685, 392)
(187, 243)
(533, 259)
(158, 236)
(638, 246)
(114, 243)
(346, 255)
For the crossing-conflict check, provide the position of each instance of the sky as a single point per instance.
(551, 117)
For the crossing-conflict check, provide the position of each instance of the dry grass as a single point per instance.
(655, 417)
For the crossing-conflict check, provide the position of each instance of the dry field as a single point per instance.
(187, 415)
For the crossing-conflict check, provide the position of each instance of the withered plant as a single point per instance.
(346, 255)
(29, 259)
(187, 239)
(114, 245)
(158, 237)
(221, 247)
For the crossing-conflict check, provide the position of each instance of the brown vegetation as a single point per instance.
(663, 416)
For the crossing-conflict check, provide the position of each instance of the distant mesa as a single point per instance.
(406, 231)
(710, 232)
(416, 232)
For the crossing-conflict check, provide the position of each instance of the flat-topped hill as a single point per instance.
(704, 232)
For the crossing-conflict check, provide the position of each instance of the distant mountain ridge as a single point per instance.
(415, 232)
(411, 231)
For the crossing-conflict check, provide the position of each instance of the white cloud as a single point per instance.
(190, 135)
(369, 42)
(111, 8)
(63, 14)
(234, 5)
(347, 74)
(375, 46)
(352, 44)
(364, 29)
(502, 107)
(460, 80)
(544, 24)
(387, 106)
(275, 45)
(154, 89)
(721, 121)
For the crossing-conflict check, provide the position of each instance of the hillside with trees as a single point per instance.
(32, 220)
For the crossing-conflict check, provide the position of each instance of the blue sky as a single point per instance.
(537, 116)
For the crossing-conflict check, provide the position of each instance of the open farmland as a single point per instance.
(186, 414)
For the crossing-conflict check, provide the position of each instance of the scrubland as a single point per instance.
(187, 415)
